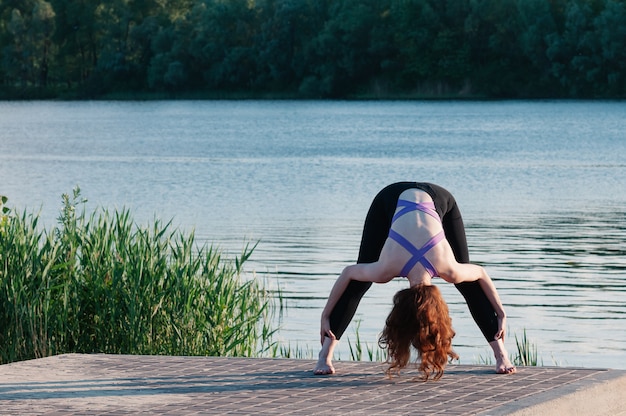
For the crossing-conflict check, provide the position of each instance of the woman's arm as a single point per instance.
(465, 272)
(364, 272)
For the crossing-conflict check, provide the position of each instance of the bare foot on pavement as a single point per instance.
(323, 369)
(504, 366)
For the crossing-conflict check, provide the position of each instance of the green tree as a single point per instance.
(120, 53)
(15, 54)
(416, 28)
(29, 50)
(610, 35)
(165, 48)
(77, 38)
(571, 51)
(340, 56)
(225, 44)
(432, 51)
(43, 26)
(537, 24)
(494, 31)
(317, 48)
(286, 26)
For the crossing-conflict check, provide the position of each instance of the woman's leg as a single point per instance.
(503, 364)
(481, 309)
(324, 364)
(346, 307)
(479, 305)
(375, 231)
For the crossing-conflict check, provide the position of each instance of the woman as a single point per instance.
(415, 230)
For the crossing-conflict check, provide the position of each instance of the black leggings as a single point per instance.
(376, 231)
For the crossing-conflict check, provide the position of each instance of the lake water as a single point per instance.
(542, 187)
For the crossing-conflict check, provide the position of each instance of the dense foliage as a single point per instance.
(103, 284)
(314, 48)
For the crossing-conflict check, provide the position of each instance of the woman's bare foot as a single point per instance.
(325, 361)
(323, 369)
(503, 364)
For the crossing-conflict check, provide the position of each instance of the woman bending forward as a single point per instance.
(415, 230)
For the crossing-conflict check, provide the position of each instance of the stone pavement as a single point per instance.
(85, 384)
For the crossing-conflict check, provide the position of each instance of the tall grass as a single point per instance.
(526, 354)
(526, 351)
(104, 284)
(359, 349)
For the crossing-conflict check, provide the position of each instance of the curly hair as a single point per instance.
(419, 318)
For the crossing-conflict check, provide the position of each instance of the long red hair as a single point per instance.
(420, 318)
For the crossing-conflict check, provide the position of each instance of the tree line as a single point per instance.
(314, 48)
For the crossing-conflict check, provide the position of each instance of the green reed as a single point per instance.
(104, 284)
(359, 347)
(526, 351)
(525, 355)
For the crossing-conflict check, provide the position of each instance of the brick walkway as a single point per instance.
(115, 385)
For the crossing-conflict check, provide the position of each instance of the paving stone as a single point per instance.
(74, 384)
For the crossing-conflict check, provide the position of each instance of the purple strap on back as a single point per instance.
(418, 254)
(408, 206)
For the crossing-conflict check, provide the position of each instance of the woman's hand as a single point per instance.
(501, 328)
(325, 330)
